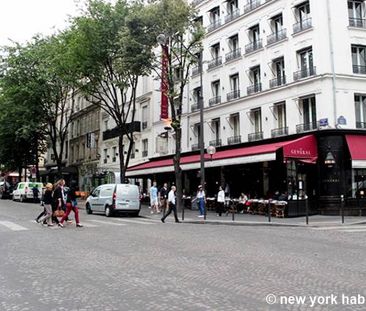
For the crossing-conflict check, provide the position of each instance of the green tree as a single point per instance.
(177, 21)
(113, 48)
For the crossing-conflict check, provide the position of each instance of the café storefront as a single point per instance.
(318, 167)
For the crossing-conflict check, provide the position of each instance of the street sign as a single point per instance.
(342, 120)
(323, 122)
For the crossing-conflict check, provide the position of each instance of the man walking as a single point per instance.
(163, 193)
(172, 205)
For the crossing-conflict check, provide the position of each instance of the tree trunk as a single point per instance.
(121, 159)
(177, 168)
(37, 162)
(20, 169)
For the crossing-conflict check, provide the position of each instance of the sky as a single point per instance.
(20, 20)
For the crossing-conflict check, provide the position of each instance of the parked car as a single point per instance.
(6, 190)
(114, 198)
(24, 191)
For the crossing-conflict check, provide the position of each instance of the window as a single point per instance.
(145, 147)
(305, 64)
(255, 79)
(234, 85)
(303, 18)
(278, 32)
(105, 155)
(105, 125)
(232, 6)
(356, 13)
(215, 124)
(359, 59)
(257, 119)
(196, 94)
(277, 23)
(234, 43)
(215, 88)
(308, 113)
(254, 38)
(114, 152)
(144, 117)
(215, 15)
(360, 109)
(278, 66)
(215, 51)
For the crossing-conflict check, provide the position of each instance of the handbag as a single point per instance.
(59, 213)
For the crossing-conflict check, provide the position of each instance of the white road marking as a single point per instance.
(354, 230)
(88, 225)
(136, 221)
(341, 228)
(12, 226)
(107, 222)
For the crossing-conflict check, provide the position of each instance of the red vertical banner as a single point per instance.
(164, 112)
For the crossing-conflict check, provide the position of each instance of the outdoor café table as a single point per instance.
(280, 209)
(262, 207)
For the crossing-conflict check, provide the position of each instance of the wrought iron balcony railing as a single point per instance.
(253, 46)
(196, 70)
(233, 55)
(233, 95)
(216, 24)
(303, 25)
(361, 125)
(234, 140)
(215, 143)
(359, 69)
(282, 131)
(214, 101)
(255, 88)
(304, 73)
(233, 15)
(357, 22)
(255, 136)
(252, 5)
(305, 127)
(195, 147)
(215, 62)
(129, 128)
(278, 81)
(277, 36)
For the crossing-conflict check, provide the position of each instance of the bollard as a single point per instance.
(307, 210)
(183, 211)
(342, 208)
(233, 212)
(269, 210)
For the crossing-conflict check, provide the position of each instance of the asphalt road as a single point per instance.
(124, 263)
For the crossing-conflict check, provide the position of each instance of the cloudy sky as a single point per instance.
(21, 19)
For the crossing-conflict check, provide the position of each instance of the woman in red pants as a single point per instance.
(71, 205)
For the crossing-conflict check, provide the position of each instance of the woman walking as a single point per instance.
(201, 198)
(47, 202)
(71, 205)
(220, 201)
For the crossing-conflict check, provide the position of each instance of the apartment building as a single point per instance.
(284, 101)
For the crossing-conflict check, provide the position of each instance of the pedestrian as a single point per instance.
(163, 194)
(59, 198)
(47, 203)
(71, 205)
(201, 200)
(172, 205)
(35, 191)
(154, 202)
(220, 201)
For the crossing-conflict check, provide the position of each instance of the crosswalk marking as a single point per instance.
(354, 230)
(136, 221)
(341, 228)
(89, 225)
(107, 222)
(12, 226)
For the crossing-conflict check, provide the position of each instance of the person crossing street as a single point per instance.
(172, 205)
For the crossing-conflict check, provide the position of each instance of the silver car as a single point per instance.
(114, 198)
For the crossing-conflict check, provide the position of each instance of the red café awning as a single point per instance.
(303, 149)
(357, 148)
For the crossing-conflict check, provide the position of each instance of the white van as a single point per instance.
(114, 198)
(24, 191)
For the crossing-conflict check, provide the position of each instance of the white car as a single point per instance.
(24, 191)
(114, 198)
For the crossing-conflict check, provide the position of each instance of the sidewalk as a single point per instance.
(252, 220)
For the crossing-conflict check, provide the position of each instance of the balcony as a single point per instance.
(255, 88)
(214, 101)
(195, 147)
(233, 95)
(215, 143)
(281, 131)
(195, 107)
(216, 24)
(255, 136)
(144, 153)
(129, 128)
(278, 81)
(196, 70)
(233, 15)
(276, 36)
(361, 125)
(215, 62)
(253, 46)
(359, 69)
(300, 128)
(357, 22)
(252, 5)
(303, 25)
(307, 72)
(233, 55)
(197, 2)
(234, 140)
(144, 125)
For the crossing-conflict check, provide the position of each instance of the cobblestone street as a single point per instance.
(124, 263)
